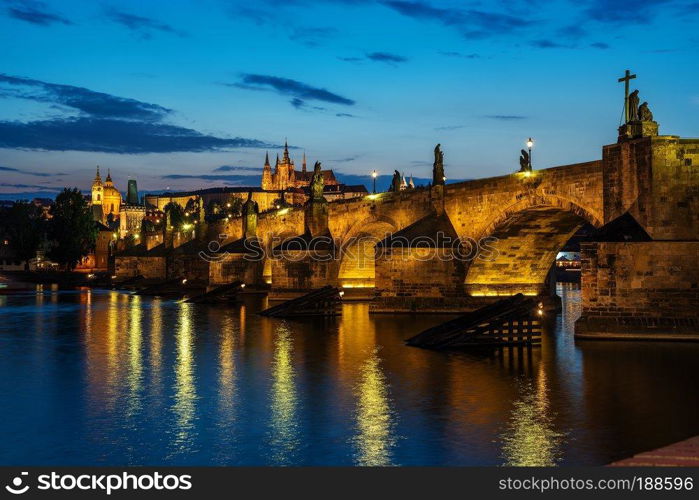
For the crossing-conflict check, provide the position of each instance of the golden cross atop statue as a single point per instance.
(626, 79)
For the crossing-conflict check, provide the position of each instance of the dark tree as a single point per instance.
(236, 207)
(71, 228)
(174, 213)
(214, 208)
(147, 226)
(23, 227)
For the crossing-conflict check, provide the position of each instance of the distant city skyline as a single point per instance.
(191, 95)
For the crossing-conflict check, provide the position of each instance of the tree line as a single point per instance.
(67, 234)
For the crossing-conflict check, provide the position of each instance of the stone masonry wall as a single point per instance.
(148, 267)
(409, 273)
(297, 270)
(234, 267)
(656, 179)
(657, 279)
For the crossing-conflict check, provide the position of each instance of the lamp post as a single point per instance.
(530, 143)
(374, 174)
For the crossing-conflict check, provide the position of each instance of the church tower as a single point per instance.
(267, 175)
(285, 170)
(111, 197)
(97, 188)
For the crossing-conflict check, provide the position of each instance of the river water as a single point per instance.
(108, 378)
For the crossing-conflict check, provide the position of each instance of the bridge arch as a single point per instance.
(531, 201)
(357, 253)
(520, 244)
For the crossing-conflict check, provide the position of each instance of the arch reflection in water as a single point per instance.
(531, 439)
(185, 390)
(284, 440)
(374, 440)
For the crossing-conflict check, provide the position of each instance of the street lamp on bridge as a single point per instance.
(530, 144)
(374, 174)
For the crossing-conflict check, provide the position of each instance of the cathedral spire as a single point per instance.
(303, 166)
(267, 159)
(97, 175)
(286, 151)
(109, 175)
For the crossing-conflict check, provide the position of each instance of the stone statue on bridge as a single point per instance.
(317, 182)
(644, 113)
(438, 166)
(633, 106)
(524, 165)
(395, 183)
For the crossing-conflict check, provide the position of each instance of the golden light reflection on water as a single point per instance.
(134, 377)
(360, 365)
(226, 376)
(156, 343)
(374, 439)
(112, 346)
(185, 391)
(531, 440)
(284, 426)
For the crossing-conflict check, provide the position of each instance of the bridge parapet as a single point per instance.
(477, 207)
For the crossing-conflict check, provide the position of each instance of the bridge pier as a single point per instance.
(640, 279)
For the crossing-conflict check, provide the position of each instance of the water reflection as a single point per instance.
(135, 362)
(185, 390)
(226, 360)
(136, 380)
(284, 440)
(374, 439)
(156, 345)
(531, 439)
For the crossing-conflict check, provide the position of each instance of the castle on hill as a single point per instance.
(285, 175)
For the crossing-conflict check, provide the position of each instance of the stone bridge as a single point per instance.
(517, 223)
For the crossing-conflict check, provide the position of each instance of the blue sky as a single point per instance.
(186, 94)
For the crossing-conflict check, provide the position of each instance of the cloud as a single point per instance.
(449, 127)
(599, 45)
(506, 117)
(36, 13)
(26, 172)
(232, 168)
(142, 26)
(471, 23)
(351, 59)
(450, 53)
(345, 115)
(104, 123)
(312, 36)
(301, 104)
(299, 91)
(386, 57)
(242, 180)
(615, 12)
(29, 186)
(113, 136)
(547, 44)
(87, 101)
(343, 160)
(382, 57)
